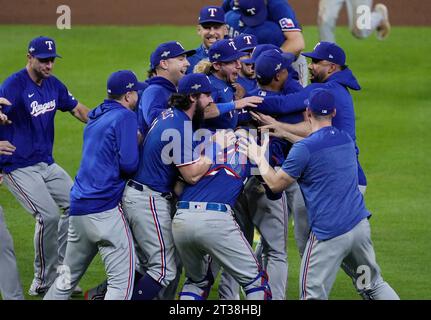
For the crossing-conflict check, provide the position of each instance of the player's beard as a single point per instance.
(198, 117)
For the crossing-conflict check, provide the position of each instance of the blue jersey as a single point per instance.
(234, 23)
(222, 92)
(32, 115)
(167, 145)
(223, 182)
(109, 157)
(338, 83)
(201, 53)
(154, 100)
(247, 83)
(326, 169)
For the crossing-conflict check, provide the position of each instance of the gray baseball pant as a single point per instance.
(43, 190)
(107, 233)
(328, 14)
(322, 260)
(10, 285)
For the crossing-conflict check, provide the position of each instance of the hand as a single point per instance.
(3, 118)
(6, 148)
(252, 101)
(224, 138)
(275, 130)
(248, 146)
(262, 118)
(239, 91)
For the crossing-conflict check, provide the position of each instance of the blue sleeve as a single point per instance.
(151, 106)
(281, 13)
(10, 90)
(66, 101)
(127, 143)
(296, 161)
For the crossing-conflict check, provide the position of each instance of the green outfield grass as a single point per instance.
(393, 111)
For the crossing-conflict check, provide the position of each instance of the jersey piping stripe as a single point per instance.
(307, 262)
(289, 30)
(131, 277)
(285, 215)
(188, 163)
(161, 241)
(26, 198)
(40, 227)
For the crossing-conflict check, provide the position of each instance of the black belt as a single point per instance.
(140, 187)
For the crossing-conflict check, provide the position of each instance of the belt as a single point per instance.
(213, 206)
(140, 187)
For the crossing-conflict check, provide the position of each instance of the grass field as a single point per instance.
(393, 111)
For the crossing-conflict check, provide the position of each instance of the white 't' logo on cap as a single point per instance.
(49, 44)
(247, 39)
(252, 11)
(212, 11)
(165, 54)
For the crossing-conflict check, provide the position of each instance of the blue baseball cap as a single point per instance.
(211, 14)
(245, 42)
(327, 51)
(168, 50)
(123, 81)
(224, 50)
(42, 48)
(321, 102)
(194, 83)
(270, 62)
(258, 50)
(253, 12)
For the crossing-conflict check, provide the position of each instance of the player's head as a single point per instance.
(123, 86)
(253, 12)
(224, 57)
(194, 93)
(41, 56)
(211, 27)
(320, 105)
(271, 67)
(246, 43)
(169, 60)
(326, 59)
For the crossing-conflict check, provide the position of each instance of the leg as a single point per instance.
(10, 285)
(319, 266)
(363, 268)
(59, 184)
(149, 217)
(29, 188)
(327, 18)
(361, 25)
(80, 251)
(296, 205)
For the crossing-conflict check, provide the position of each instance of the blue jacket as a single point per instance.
(339, 84)
(109, 158)
(154, 100)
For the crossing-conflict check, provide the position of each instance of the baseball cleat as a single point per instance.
(384, 28)
(97, 293)
(35, 290)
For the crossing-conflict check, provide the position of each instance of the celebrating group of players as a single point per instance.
(178, 171)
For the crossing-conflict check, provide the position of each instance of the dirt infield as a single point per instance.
(178, 12)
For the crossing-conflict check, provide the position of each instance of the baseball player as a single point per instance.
(97, 223)
(10, 285)
(246, 78)
(258, 206)
(330, 9)
(37, 182)
(168, 64)
(211, 28)
(204, 228)
(325, 166)
(274, 22)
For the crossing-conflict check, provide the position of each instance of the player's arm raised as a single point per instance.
(194, 171)
(277, 181)
(294, 42)
(216, 109)
(80, 112)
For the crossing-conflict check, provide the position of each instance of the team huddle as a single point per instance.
(177, 172)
